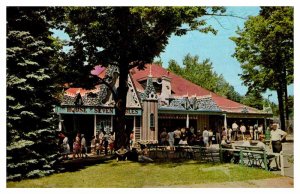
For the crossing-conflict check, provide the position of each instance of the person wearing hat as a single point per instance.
(277, 135)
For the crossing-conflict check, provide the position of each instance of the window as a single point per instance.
(152, 123)
(138, 121)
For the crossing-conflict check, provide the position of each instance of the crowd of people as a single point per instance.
(103, 142)
(207, 136)
(79, 146)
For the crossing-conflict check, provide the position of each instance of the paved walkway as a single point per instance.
(282, 182)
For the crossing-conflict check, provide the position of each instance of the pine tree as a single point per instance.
(31, 136)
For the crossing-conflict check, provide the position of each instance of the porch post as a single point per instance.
(225, 121)
(60, 122)
(112, 122)
(95, 125)
(187, 121)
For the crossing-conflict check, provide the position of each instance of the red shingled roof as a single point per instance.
(179, 86)
(183, 87)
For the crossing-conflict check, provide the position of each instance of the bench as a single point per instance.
(252, 156)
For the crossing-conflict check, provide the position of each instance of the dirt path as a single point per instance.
(282, 182)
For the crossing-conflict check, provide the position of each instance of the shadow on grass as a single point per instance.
(81, 163)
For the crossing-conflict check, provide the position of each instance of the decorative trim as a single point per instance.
(132, 97)
(191, 104)
(149, 93)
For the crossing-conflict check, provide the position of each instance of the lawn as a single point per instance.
(126, 174)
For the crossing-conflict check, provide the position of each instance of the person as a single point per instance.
(277, 136)
(262, 146)
(164, 137)
(234, 130)
(111, 142)
(251, 131)
(260, 130)
(229, 134)
(171, 139)
(101, 137)
(183, 141)
(260, 143)
(192, 130)
(183, 133)
(66, 147)
(98, 144)
(133, 155)
(255, 132)
(224, 141)
(131, 137)
(144, 155)
(243, 130)
(105, 142)
(246, 142)
(121, 154)
(93, 145)
(76, 147)
(177, 135)
(205, 136)
(83, 146)
(227, 155)
(224, 133)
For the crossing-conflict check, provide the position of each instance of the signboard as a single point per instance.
(95, 111)
(86, 110)
(133, 112)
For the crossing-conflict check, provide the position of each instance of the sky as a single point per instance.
(218, 48)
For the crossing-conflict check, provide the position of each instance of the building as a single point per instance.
(156, 99)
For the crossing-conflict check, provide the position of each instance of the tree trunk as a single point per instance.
(285, 97)
(122, 134)
(281, 107)
(122, 139)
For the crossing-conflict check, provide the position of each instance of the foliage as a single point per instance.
(139, 175)
(30, 84)
(291, 106)
(265, 49)
(253, 99)
(158, 62)
(202, 74)
(127, 37)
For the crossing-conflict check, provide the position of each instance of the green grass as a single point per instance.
(112, 174)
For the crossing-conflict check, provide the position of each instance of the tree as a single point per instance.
(202, 74)
(127, 37)
(253, 99)
(158, 62)
(31, 93)
(264, 47)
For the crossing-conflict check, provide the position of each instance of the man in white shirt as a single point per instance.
(234, 130)
(243, 130)
(277, 135)
(205, 136)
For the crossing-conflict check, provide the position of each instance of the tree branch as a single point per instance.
(136, 64)
(230, 15)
